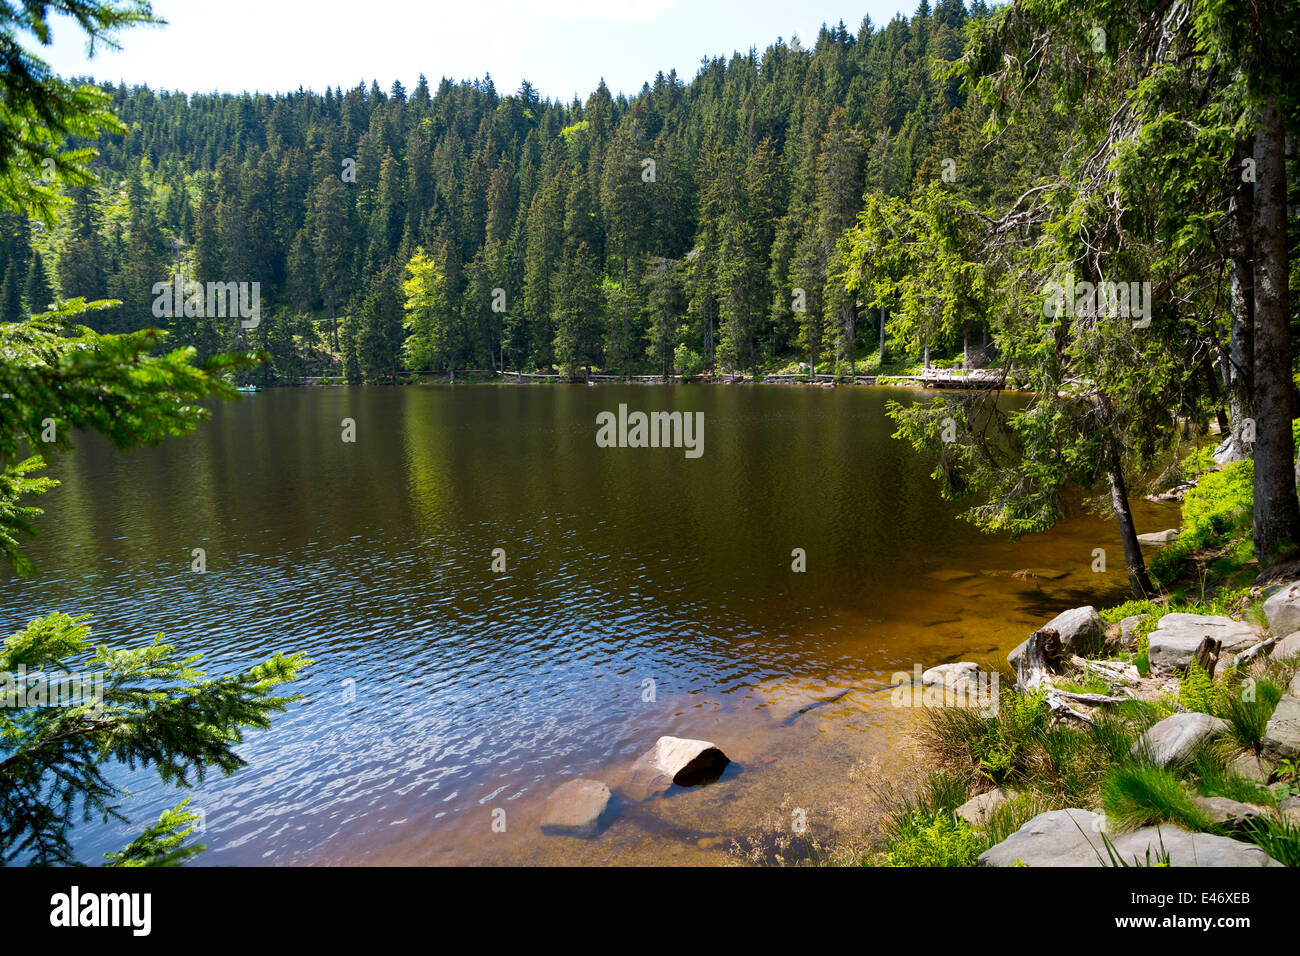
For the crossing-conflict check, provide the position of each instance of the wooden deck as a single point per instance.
(957, 378)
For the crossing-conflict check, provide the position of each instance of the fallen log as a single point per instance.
(1116, 671)
(1250, 653)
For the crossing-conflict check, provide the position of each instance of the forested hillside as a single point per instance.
(694, 224)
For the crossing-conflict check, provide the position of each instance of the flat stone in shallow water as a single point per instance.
(1177, 737)
(1172, 645)
(1074, 838)
(1159, 538)
(1281, 740)
(951, 675)
(575, 808)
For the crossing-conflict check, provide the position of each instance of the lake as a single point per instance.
(645, 592)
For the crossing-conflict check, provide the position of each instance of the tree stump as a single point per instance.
(1040, 660)
(1207, 654)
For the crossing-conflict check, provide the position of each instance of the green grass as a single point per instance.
(1129, 609)
(1278, 837)
(1247, 706)
(1217, 513)
(1136, 794)
(1212, 778)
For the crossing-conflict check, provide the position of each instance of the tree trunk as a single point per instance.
(884, 312)
(1137, 569)
(1277, 513)
(1239, 367)
(1216, 398)
(853, 339)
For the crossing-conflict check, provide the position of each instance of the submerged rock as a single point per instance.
(575, 808)
(1177, 737)
(675, 760)
(1173, 643)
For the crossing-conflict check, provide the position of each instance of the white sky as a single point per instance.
(561, 46)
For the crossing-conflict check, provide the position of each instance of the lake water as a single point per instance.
(443, 691)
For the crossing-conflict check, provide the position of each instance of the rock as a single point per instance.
(976, 810)
(1290, 808)
(1073, 838)
(1250, 767)
(1046, 574)
(1128, 627)
(1283, 609)
(1081, 629)
(675, 760)
(1229, 813)
(575, 808)
(1281, 740)
(1159, 538)
(1289, 646)
(949, 575)
(1173, 643)
(1177, 737)
(951, 675)
(1055, 838)
(1294, 689)
(1187, 849)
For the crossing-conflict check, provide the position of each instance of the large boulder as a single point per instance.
(1081, 630)
(1074, 838)
(675, 760)
(1177, 737)
(1173, 643)
(1055, 838)
(575, 808)
(1289, 646)
(1281, 740)
(1283, 609)
(1187, 849)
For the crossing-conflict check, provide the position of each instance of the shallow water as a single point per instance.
(442, 691)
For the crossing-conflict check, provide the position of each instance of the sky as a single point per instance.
(562, 47)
